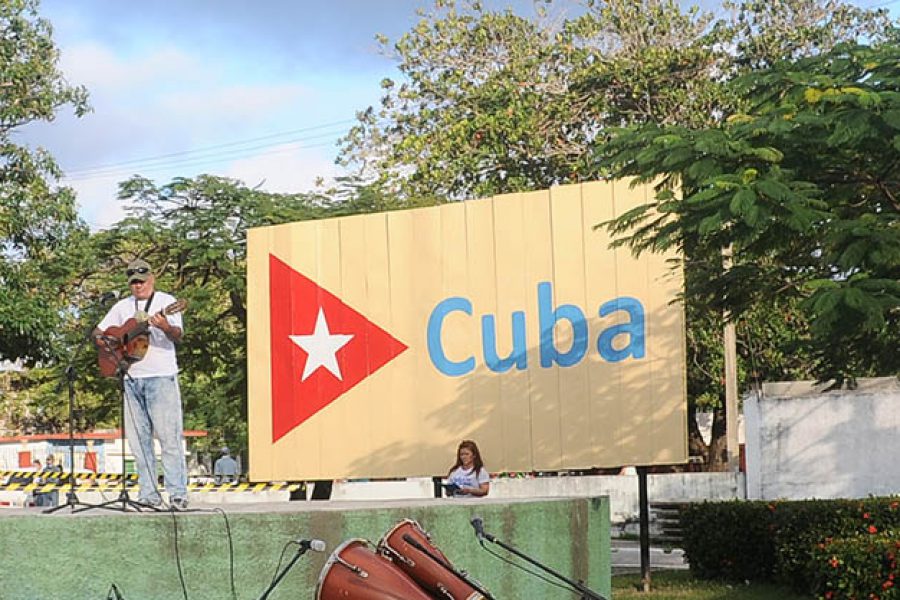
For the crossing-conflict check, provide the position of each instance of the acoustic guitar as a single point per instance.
(120, 347)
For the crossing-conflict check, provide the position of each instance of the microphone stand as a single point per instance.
(71, 497)
(459, 575)
(301, 550)
(586, 592)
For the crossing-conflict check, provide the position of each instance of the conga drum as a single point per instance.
(434, 573)
(355, 572)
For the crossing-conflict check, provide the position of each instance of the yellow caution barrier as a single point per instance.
(108, 485)
(6, 475)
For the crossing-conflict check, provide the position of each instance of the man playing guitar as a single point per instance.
(152, 396)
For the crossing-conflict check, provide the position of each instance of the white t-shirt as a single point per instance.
(160, 358)
(466, 478)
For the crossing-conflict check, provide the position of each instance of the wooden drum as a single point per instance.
(434, 573)
(355, 572)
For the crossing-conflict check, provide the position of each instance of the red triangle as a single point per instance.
(294, 304)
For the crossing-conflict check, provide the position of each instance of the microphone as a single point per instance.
(314, 545)
(478, 526)
(108, 296)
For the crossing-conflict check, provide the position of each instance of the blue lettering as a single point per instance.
(634, 329)
(436, 349)
(518, 356)
(548, 317)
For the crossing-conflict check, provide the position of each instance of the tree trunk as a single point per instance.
(718, 459)
(696, 445)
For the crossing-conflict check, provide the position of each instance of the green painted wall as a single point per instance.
(67, 557)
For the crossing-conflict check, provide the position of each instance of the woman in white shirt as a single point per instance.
(468, 473)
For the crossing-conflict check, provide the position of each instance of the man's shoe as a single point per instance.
(151, 502)
(179, 504)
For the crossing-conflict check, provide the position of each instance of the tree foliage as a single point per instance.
(38, 220)
(494, 102)
(802, 190)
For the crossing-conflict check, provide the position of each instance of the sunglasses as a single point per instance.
(138, 271)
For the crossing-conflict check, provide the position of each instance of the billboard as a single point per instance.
(376, 343)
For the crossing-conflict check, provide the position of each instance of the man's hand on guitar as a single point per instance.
(160, 321)
(102, 340)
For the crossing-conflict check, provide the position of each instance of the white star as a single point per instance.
(321, 348)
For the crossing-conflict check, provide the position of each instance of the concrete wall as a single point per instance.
(66, 557)
(622, 490)
(804, 442)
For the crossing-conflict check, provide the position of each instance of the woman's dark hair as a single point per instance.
(476, 456)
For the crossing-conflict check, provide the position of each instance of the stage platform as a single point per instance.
(66, 556)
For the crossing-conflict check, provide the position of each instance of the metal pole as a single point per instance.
(644, 510)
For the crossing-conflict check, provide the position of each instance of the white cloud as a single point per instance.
(97, 200)
(104, 71)
(231, 102)
(284, 169)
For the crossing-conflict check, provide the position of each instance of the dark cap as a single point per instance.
(138, 270)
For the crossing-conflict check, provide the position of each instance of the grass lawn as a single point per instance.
(679, 585)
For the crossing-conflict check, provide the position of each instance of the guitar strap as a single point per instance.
(146, 306)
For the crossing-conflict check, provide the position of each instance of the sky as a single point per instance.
(256, 91)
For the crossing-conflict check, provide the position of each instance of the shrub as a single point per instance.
(765, 541)
(862, 566)
(801, 526)
(729, 540)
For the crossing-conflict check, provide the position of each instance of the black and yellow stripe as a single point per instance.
(110, 484)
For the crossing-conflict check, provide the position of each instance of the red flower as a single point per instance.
(865, 515)
(873, 529)
(887, 585)
(829, 595)
(834, 562)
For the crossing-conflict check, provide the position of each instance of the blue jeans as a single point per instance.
(153, 407)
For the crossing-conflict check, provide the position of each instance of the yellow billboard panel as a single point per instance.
(377, 342)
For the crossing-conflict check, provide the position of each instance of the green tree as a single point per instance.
(38, 219)
(801, 189)
(494, 102)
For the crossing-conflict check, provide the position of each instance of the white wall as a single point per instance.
(803, 442)
(621, 489)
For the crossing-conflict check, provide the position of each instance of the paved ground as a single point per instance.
(626, 557)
